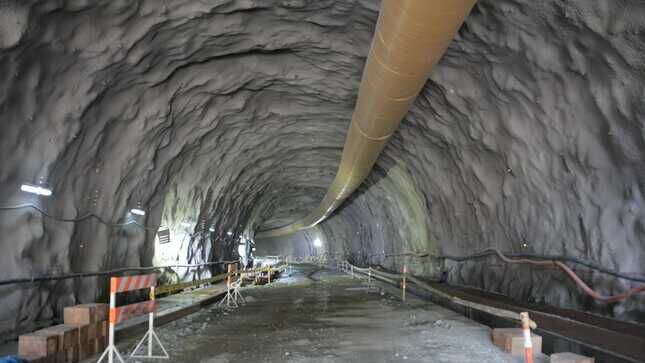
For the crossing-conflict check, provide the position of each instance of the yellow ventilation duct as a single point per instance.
(410, 38)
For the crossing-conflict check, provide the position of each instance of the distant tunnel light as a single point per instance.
(212, 229)
(317, 242)
(229, 233)
(185, 224)
(137, 211)
(36, 189)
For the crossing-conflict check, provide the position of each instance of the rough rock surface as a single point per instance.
(231, 115)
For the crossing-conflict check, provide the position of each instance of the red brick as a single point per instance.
(512, 340)
(61, 356)
(91, 346)
(100, 311)
(570, 358)
(84, 351)
(92, 330)
(84, 314)
(103, 329)
(79, 315)
(101, 344)
(82, 334)
(67, 334)
(50, 359)
(71, 354)
(37, 345)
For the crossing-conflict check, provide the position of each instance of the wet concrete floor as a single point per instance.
(317, 315)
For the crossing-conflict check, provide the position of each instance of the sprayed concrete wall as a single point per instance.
(229, 116)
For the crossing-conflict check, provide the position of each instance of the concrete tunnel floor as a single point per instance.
(317, 315)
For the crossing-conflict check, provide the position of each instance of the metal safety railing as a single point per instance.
(173, 288)
(401, 280)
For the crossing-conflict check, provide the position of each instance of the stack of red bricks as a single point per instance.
(83, 335)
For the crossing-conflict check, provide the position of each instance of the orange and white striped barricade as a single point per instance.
(126, 312)
(233, 297)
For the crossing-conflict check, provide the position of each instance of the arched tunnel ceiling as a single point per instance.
(231, 115)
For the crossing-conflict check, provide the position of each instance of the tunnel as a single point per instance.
(399, 177)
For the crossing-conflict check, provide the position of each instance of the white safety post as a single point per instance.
(111, 350)
(150, 335)
(352, 270)
(528, 343)
(405, 271)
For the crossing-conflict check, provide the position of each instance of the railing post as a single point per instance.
(151, 322)
(405, 271)
(229, 269)
(528, 343)
(112, 322)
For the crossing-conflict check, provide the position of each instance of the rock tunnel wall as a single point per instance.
(222, 117)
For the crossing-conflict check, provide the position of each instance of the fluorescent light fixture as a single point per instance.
(36, 189)
(212, 229)
(137, 211)
(253, 249)
(229, 233)
(317, 242)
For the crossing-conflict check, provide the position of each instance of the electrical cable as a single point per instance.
(594, 294)
(79, 219)
(23, 280)
(588, 290)
(491, 251)
(527, 258)
(558, 261)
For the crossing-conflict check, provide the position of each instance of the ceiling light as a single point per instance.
(137, 211)
(185, 224)
(212, 229)
(229, 233)
(317, 242)
(36, 189)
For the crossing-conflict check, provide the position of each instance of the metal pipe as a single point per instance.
(410, 38)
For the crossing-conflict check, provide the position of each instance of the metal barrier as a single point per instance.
(173, 288)
(233, 297)
(398, 280)
(123, 313)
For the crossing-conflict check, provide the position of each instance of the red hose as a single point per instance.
(596, 295)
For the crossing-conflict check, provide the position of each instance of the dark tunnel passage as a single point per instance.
(173, 132)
